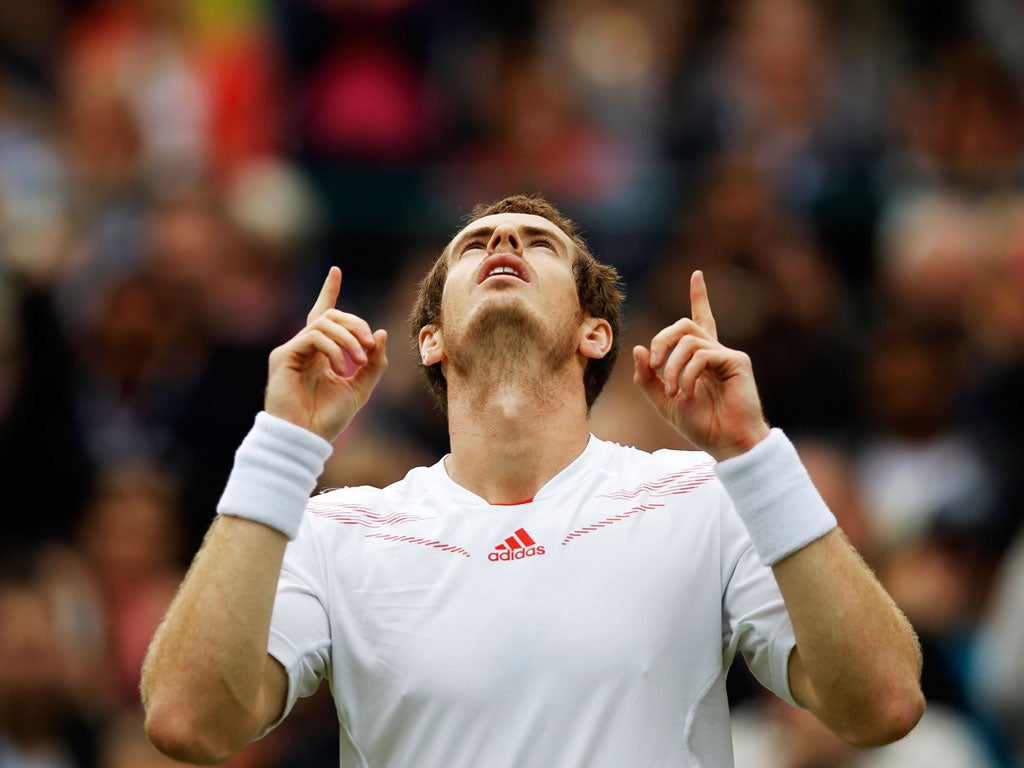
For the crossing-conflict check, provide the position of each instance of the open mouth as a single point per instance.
(504, 271)
(503, 265)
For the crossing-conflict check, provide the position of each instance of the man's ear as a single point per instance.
(431, 345)
(597, 338)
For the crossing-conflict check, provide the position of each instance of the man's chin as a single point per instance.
(503, 336)
(506, 322)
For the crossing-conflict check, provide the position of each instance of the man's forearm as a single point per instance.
(857, 662)
(202, 682)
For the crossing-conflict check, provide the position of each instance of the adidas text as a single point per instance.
(515, 554)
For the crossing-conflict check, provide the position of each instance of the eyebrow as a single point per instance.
(473, 234)
(541, 232)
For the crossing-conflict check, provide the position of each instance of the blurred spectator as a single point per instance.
(536, 137)
(920, 470)
(356, 72)
(139, 358)
(111, 592)
(958, 120)
(779, 87)
(998, 332)
(133, 370)
(619, 61)
(41, 724)
(931, 248)
(136, 103)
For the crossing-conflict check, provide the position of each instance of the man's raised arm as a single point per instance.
(208, 684)
(857, 663)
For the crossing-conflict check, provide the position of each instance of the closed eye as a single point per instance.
(544, 243)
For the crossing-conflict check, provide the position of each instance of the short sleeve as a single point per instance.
(754, 617)
(300, 631)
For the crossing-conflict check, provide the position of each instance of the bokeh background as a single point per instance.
(176, 176)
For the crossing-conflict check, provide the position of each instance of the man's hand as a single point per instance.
(702, 388)
(308, 383)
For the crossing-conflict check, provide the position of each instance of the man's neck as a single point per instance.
(508, 440)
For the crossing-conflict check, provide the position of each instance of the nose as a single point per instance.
(504, 238)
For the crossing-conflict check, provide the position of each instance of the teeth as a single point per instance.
(503, 271)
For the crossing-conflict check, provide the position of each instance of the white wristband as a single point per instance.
(275, 470)
(775, 498)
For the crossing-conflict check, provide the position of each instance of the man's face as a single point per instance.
(511, 272)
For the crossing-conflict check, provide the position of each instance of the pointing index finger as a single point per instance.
(328, 295)
(700, 305)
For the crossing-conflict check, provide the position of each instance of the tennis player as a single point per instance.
(538, 597)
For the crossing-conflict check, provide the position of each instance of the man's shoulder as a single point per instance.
(626, 472)
(621, 457)
(417, 484)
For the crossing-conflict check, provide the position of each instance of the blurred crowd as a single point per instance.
(177, 175)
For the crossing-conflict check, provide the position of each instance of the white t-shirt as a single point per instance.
(592, 626)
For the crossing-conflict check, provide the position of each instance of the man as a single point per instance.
(538, 597)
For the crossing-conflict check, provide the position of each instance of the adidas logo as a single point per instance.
(516, 547)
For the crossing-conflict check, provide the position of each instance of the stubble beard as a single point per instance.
(505, 346)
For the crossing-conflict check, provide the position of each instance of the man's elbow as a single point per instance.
(892, 718)
(180, 734)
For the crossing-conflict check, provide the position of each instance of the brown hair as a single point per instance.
(596, 286)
